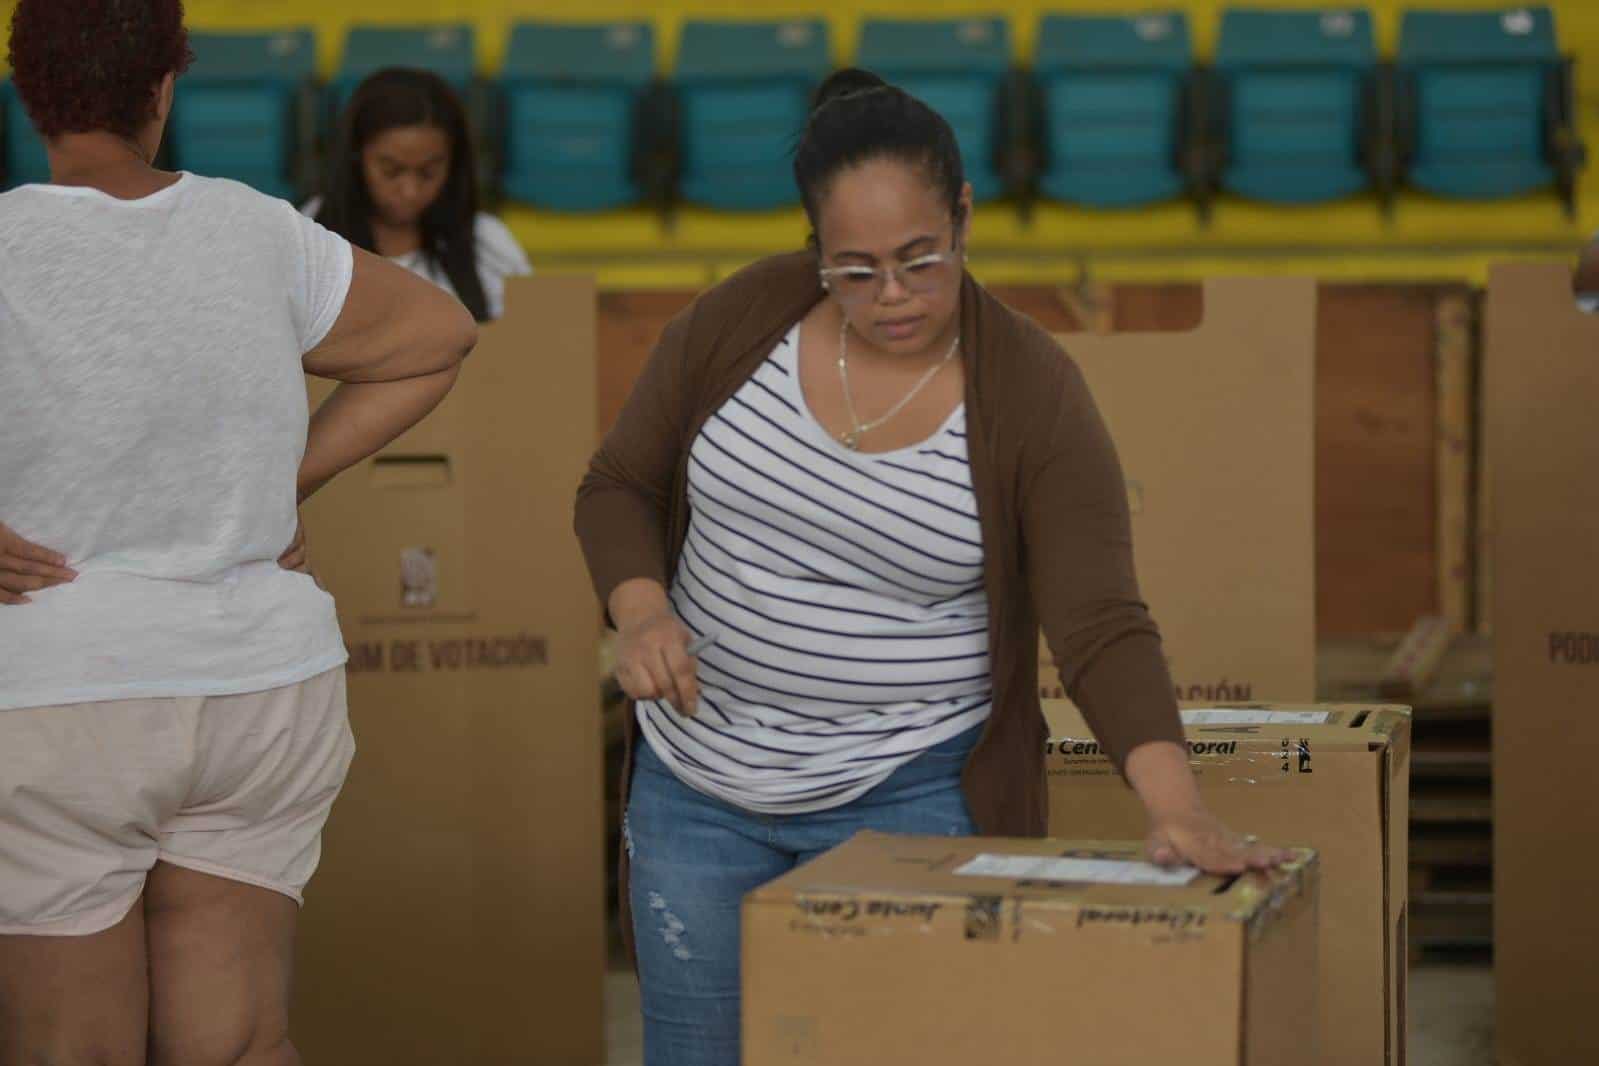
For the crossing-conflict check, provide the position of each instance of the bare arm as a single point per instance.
(397, 348)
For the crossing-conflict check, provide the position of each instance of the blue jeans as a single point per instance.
(694, 858)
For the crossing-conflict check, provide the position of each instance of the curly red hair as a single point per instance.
(88, 65)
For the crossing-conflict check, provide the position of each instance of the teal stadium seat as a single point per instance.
(957, 67)
(448, 50)
(1112, 91)
(1297, 90)
(1486, 103)
(572, 95)
(744, 90)
(22, 156)
(242, 109)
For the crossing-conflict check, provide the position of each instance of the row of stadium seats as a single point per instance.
(1296, 107)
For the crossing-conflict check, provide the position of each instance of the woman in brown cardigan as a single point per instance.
(845, 494)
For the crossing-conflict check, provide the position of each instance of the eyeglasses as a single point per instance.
(922, 275)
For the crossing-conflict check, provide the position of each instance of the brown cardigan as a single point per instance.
(1051, 502)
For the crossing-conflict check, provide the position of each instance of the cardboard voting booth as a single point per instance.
(458, 913)
(1541, 400)
(1216, 432)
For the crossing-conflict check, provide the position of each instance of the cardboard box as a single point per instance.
(885, 951)
(1541, 398)
(1332, 778)
(1216, 432)
(458, 914)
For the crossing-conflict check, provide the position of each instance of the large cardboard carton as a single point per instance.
(1542, 396)
(1216, 432)
(458, 914)
(948, 952)
(1333, 778)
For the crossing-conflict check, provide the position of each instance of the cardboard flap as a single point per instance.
(1331, 727)
(881, 867)
(394, 471)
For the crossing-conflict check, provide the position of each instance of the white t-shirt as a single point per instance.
(152, 421)
(499, 256)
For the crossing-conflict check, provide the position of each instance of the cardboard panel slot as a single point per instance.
(1359, 720)
(1225, 885)
(412, 472)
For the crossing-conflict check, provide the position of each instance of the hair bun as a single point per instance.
(844, 83)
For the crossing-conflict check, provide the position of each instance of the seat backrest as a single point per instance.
(234, 115)
(1524, 35)
(1076, 44)
(903, 49)
(1112, 88)
(571, 92)
(284, 58)
(956, 67)
(448, 50)
(1295, 81)
(744, 89)
(552, 53)
(1478, 81)
(722, 53)
(1253, 39)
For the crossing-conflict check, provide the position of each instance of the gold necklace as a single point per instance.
(851, 438)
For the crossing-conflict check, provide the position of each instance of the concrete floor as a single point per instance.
(624, 1030)
(1451, 1017)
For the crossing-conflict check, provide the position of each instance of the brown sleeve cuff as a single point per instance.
(1127, 698)
(623, 537)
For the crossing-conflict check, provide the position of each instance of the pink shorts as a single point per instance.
(93, 795)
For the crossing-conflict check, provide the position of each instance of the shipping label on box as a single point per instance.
(1215, 428)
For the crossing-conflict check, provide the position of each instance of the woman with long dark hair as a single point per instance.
(847, 491)
(402, 183)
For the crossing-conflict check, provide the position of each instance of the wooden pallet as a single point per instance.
(1351, 670)
(1454, 845)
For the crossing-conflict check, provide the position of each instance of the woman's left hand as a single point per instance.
(27, 567)
(1198, 838)
(295, 557)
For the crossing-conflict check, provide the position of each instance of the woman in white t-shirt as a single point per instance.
(402, 182)
(173, 729)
